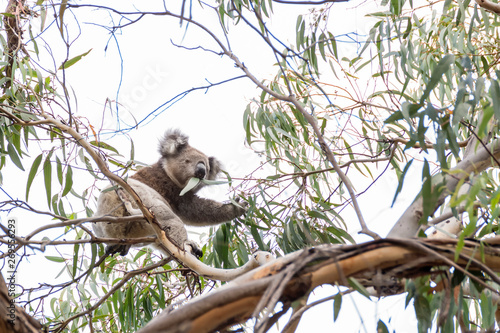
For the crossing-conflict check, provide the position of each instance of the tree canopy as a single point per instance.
(339, 124)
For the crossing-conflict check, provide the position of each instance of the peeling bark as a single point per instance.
(238, 300)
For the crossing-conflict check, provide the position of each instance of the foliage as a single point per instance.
(328, 124)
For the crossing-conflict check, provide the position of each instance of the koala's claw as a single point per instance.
(193, 248)
(117, 248)
(240, 206)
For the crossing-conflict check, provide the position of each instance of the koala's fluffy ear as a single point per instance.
(215, 168)
(172, 142)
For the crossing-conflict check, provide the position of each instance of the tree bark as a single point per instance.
(14, 319)
(289, 278)
(484, 157)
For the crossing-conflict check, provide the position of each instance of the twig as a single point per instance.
(427, 144)
(117, 286)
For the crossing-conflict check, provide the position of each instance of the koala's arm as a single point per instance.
(197, 211)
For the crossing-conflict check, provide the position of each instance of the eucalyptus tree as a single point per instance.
(412, 89)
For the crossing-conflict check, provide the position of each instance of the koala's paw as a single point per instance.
(117, 248)
(193, 248)
(240, 206)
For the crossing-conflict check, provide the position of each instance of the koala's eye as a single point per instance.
(187, 161)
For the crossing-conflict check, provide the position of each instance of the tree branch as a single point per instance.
(489, 5)
(409, 223)
(327, 264)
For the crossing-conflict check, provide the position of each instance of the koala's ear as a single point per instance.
(215, 168)
(172, 142)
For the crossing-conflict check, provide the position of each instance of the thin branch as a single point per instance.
(324, 146)
(471, 129)
(428, 145)
(446, 216)
(117, 286)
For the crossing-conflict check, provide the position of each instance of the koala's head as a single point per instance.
(181, 162)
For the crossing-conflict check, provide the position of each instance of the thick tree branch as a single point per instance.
(489, 5)
(14, 319)
(328, 264)
(475, 162)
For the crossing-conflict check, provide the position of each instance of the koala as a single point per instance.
(159, 187)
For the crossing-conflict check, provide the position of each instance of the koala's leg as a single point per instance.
(127, 201)
(175, 230)
(168, 221)
(193, 248)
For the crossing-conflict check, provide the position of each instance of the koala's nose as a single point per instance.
(200, 171)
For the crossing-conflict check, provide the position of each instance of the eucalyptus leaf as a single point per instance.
(192, 183)
(14, 157)
(32, 173)
(73, 60)
(442, 67)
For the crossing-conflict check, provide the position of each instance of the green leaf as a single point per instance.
(257, 237)
(32, 173)
(62, 9)
(73, 60)
(423, 312)
(408, 110)
(358, 287)
(221, 244)
(47, 176)
(213, 182)
(460, 112)
(104, 145)
(337, 305)
(55, 259)
(401, 181)
(441, 68)
(396, 7)
(495, 96)
(68, 184)
(487, 311)
(381, 327)
(14, 156)
(192, 183)
(76, 249)
(59, 170)
(428, 202)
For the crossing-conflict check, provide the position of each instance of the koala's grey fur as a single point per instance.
(159, 186)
